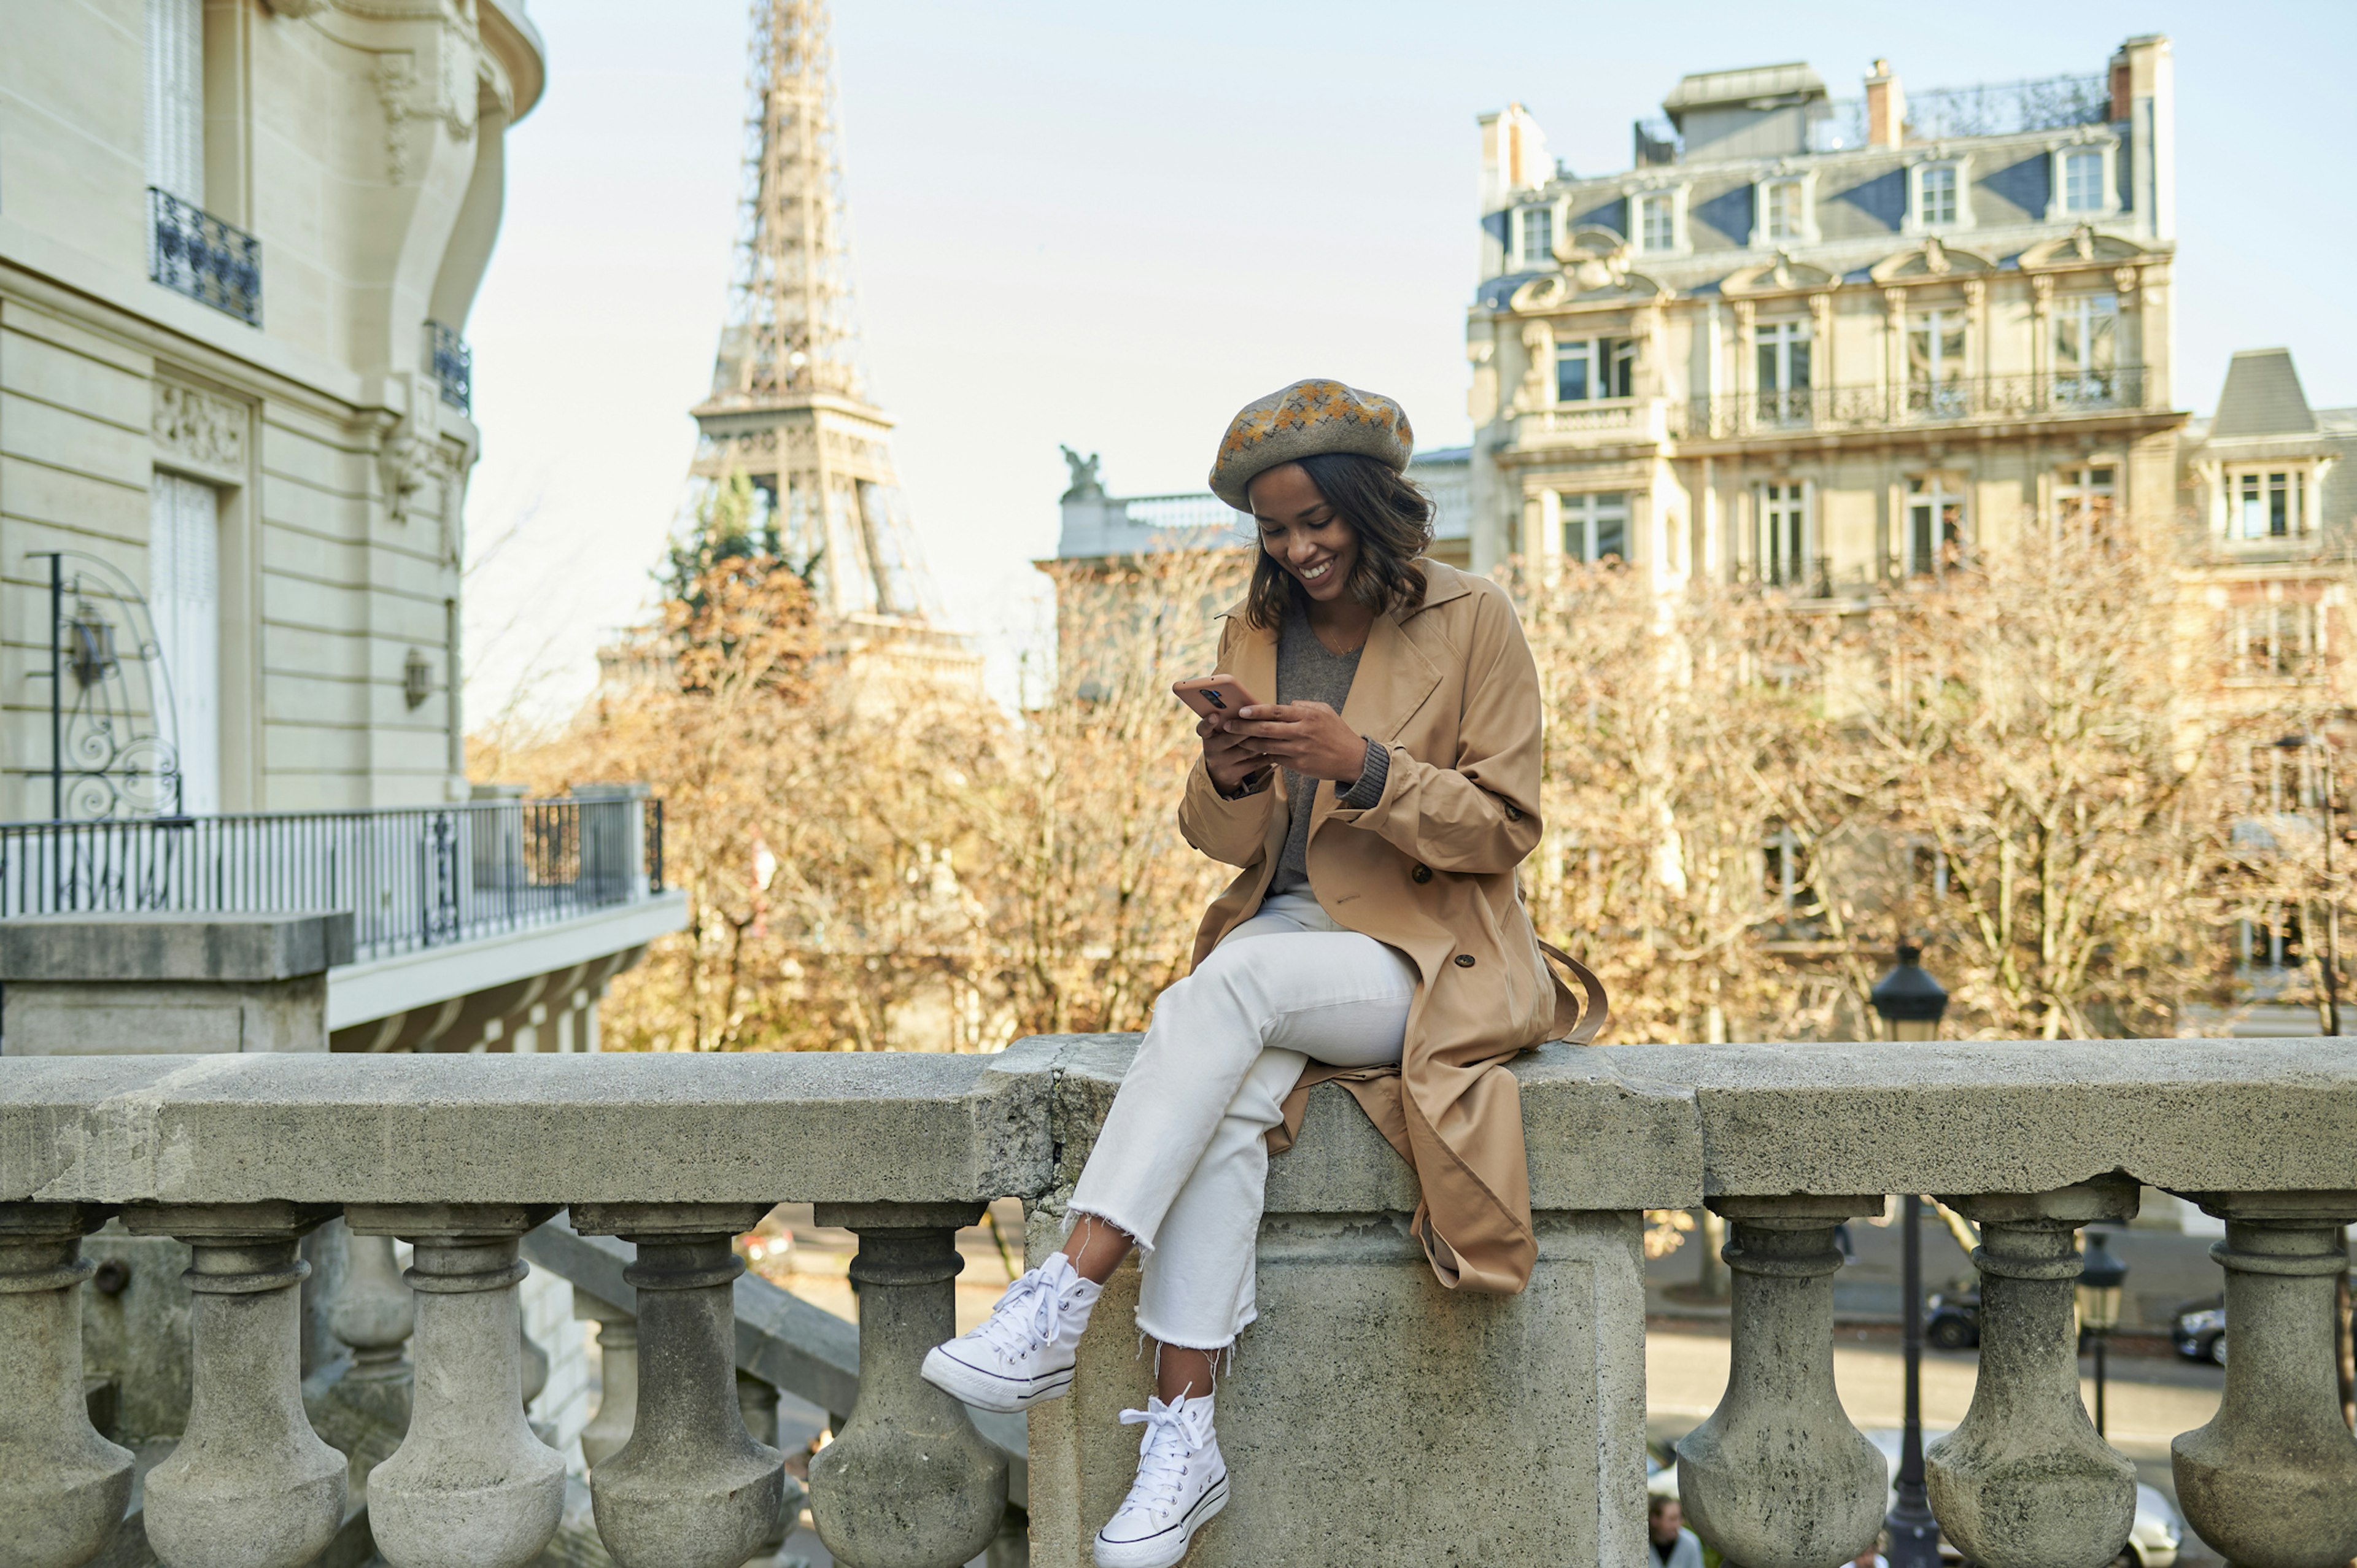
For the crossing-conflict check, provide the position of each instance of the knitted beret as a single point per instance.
(1303, 421)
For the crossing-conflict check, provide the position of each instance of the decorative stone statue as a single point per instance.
(1086, 487)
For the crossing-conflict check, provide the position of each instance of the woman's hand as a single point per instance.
(1229, 756)
(1306, 737)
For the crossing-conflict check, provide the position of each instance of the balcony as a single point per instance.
(1605, 421)
(1359, 1365)
(1978, 399)
(191, 251)
(445, 901)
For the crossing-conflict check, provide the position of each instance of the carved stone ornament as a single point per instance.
(409, 464)
(199, 429)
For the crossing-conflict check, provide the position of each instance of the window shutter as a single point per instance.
(176, 98)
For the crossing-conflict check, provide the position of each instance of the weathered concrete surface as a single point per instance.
(168, 984)
(530, 1128)
(1596, 1138)
(2025, 1482)
(210, 949)
(1369, 1415)
(2013, 1115)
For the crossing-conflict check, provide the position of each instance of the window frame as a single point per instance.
(2300, 488)
(1675, 195)
(2107, 194)
(1805, 227)
(2083, 487)
(1605, 354)
(2289, 646)
(1960, 166)
(1777, 504)
(1586, 509)
(1929, 492)
(1784, 402)
(1521, 259)
(1940, 395)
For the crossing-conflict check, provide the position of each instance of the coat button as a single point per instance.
(1513, 812)
(1465, 960)
(1421, 874)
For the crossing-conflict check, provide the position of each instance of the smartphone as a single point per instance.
(1214, 696)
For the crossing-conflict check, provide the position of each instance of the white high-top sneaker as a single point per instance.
(1023, 1353)
(1181, 1482)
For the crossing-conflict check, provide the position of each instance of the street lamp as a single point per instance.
(1910, 1003)
(2331, 896)
(2100, 1277)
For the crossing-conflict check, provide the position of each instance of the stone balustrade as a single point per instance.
(1370, 1415)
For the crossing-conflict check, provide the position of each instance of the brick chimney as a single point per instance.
(1885, 108)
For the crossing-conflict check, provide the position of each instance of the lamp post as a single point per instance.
(2331, 899)
(2100, 1277)
(1910, 1003)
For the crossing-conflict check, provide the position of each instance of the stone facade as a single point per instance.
(299, 428)
(1824, 356)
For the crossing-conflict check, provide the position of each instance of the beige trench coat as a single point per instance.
(1451, 688)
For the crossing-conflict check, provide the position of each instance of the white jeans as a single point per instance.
(1181, 1164)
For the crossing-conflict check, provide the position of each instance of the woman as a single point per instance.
(1376, 810)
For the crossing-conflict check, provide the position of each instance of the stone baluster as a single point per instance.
(690, 1489)
(374, 1313)
(756, 1402)
(470, 1485)
(250, 1484)
(618, 1378)
(1778, 1478)
(2271, 1480)
(2026, 1482)
(908, 1482)
(62, 1487)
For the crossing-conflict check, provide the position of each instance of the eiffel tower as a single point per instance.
(789, 409)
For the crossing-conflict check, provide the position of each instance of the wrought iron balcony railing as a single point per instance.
(191, 251)
(2053, 395)
(413, 878)
(453, 364)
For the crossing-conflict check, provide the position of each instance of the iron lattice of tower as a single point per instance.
(789, 409)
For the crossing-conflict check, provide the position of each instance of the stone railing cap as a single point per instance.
(186, 947)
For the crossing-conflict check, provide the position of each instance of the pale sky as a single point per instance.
(1111, 225)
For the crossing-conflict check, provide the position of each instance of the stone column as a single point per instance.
(908, 1482)
(690, 1489)
(62, 1487)
(2271, 1480)
(1778, 1478)
(373, 1314)
(470, 1487)
(756, 1402)
(618, 1378)
(251, 1485)
(2026, 1482)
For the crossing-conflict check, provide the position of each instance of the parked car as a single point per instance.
(2198, 1329)
(2153, 1539)
(1954, 1322)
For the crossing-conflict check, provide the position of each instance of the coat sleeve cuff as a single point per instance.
(1253, 785)
(1370, 787)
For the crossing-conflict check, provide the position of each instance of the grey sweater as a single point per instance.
(1308, 671)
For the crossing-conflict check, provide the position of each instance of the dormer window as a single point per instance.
(1937, 196)
(1661, 220)
(2083, 182)
(1534, 231)
(1783, 211)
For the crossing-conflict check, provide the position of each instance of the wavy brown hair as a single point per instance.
(1392, 518)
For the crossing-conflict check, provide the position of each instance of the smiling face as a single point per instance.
(1302, 534)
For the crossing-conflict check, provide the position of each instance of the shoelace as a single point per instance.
(1162, 1457)
(1030, 1314)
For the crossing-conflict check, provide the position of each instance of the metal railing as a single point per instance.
(453, 364)
(2055, 394)
(1988, 108)
(191, 251)
(413, 878)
